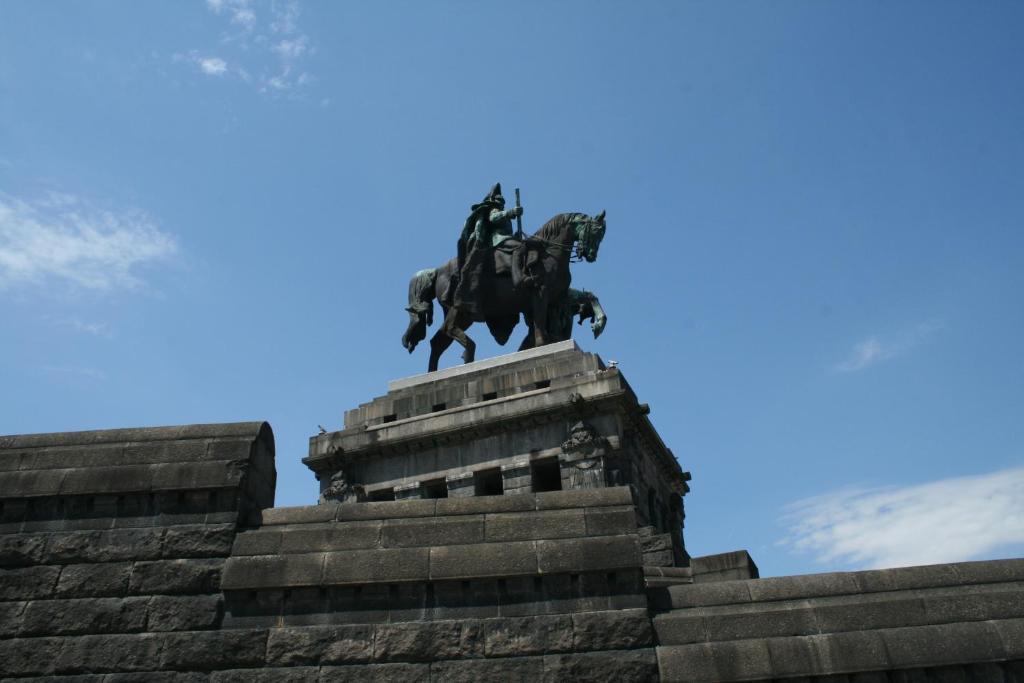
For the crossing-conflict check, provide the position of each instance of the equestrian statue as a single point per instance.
(499, 274)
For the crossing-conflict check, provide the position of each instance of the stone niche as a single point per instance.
(547, 419)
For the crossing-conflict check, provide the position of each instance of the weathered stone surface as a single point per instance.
(517, 670)
(483, 559)
(184, 613)
(198, 541)
(612, 630)
(273, 571)
(257, 542)
(515, 637)
(307, 514)
(203, 650)
(10, 618)
(386, 564)
(94, 580)
(473, 505)
(376, 673)
(30, 656)
(17, 550)
(615, 495)
(340, 536)
(611, 521)
(104, 546)
(296, 674)
(175, 576)
(427, 641)
(101, 653)
(587, 554)
(760, 624)
(348, 512)
(600, 667)
(313, 645)
(89, 615)
(28, 583)
(680, 628)
(402, 533)
(944, 644)
(529, 526)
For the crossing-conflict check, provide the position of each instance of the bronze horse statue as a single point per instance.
(546, 256)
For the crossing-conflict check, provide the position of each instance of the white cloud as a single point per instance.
(97, 329)
(71, 242)
(214, 66)
(948, 520)
(262, 46)
(875, 349)
(239, 11)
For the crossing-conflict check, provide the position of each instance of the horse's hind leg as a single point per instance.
(454, 325)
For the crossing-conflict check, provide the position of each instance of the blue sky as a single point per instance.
(209, 211)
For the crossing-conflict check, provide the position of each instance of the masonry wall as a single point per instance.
(157, 555)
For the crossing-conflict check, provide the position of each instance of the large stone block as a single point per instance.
(257, 542)
(474, 505)
(332, 537)
(376, 673)
(611, 521)
(383, 565)
(680, 628)
(94, 580)
(18, 550)
(428, 641)
(519, 636)
(587, 554)
(612, 630)
(198, 541)
(205, 650)
(175, 576)
(184, 613)
(858, 614)
(84, 616)
(529, 526)
(104, 546)
(307, 514)
(760, 623)
(28, 583)
(804, 586)
(295, 674)
(961, 643)
(614, 495)
(348, 512)
(273, 571)
(113, 653)
(626, 666)
(400, 533)
(30, 656)
(483, 559)
(312, 645)
(10, 618)
(512, 670)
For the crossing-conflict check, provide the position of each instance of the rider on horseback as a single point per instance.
(488, 225)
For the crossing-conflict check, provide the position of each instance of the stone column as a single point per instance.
(515, 477)
(460, 484)
(407, 491)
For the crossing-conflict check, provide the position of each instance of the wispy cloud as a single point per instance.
(87, 373)
(262, 45)
(948, 520)
(96, 329)
(876, 349)
(63, 238)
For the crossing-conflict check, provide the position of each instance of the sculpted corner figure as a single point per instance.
(499, 275)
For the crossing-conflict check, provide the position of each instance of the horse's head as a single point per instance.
(589, 233)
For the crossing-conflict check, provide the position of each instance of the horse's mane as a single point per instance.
(553, 228)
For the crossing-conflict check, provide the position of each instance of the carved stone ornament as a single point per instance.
(340, 491)
(583, 441)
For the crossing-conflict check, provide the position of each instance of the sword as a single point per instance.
(519, 219)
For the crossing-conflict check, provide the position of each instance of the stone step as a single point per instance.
(965, 643)
(840, 614)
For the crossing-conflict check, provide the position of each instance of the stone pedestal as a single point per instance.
(547, 419)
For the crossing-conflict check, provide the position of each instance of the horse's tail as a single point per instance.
(420, 308)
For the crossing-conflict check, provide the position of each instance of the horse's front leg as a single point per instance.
(439, 343)
(454, 326)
